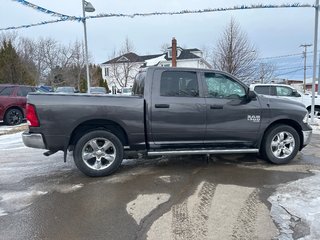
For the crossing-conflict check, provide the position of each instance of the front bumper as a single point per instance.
(33, 140)
(306, 137)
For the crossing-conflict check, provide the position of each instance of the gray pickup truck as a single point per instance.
(172, 111)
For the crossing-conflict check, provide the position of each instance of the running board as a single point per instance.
(199, 152)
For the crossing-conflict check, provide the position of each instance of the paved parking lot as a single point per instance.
(227, 197)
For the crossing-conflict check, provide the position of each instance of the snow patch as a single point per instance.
(11, 142)
(16, 201)
(295, 202)
(68, 188)
(316, 127)
(169, 179)
(144, 204)
(3, 213)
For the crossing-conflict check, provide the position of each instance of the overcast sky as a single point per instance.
(273, 31)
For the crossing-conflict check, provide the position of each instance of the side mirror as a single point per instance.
(252, 95)
(295, 93)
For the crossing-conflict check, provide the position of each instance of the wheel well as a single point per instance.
(98, 124)
(14, 107)
(290, 123)
(309, 107)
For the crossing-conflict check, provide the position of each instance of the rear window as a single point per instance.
(6, 91)
(265, 90)
(138, 85)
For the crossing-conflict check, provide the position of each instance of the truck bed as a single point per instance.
(61, 114)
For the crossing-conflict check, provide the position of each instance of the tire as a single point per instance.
(13, 116)
(281, 144)
(316, 112)
(98, 153)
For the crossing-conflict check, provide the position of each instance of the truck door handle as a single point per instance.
(216, 106)
(162, 106)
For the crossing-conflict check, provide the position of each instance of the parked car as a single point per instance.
(127, 91)
(66, 90)
(173, 111)
(288, 92)
(13, 102)
(98, 90)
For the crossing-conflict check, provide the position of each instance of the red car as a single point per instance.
(13, 100)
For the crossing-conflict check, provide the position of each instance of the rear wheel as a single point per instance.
(13, 117)
(98, 153)
(281, 144)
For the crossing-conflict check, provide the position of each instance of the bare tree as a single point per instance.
(78, 61)
(164, 47)
(265, 72)
(123, 70)
(235, 54)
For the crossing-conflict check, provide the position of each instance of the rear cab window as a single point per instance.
(265, 90)
(138, 84)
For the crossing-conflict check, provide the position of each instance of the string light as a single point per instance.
(64, 17)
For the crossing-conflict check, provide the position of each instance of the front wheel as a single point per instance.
(280, 144)
(98, 153)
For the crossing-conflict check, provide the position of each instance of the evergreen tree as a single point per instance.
(12, 68)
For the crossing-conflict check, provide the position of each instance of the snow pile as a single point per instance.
(316, 127)
(297, 204)
(5, 129)
(11, 141)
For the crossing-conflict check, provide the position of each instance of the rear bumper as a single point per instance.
(33, 140)
(306, 137)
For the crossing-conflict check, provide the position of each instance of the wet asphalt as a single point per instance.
(44, 198)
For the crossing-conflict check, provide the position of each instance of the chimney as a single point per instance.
(174, 52)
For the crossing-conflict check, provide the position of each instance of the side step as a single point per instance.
(202, 151)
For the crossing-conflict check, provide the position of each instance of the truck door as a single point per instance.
(231, 117)
(178, 109)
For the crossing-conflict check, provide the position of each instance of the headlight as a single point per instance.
(306, 118)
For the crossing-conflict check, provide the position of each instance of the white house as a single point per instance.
(120, 71)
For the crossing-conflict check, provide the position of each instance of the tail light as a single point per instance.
(32, 117)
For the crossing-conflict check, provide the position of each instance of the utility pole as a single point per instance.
(305, 46)
(315, 51)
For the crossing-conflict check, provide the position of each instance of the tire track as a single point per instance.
(194, 226)
(201, 213)
(181, 225)
(245, 225)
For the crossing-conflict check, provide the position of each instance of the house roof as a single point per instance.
(132, 57)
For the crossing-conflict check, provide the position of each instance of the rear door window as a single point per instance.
(23, 91)
(179, 84)
(6, 91)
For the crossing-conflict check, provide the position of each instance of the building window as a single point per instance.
(170, 53)
(106, 71)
